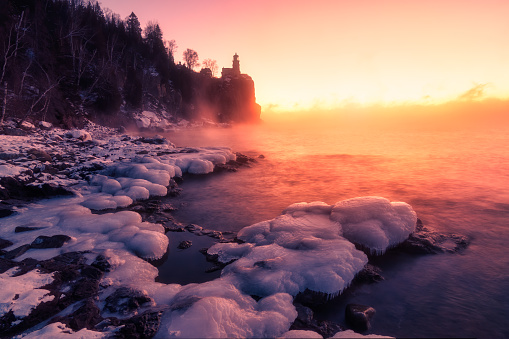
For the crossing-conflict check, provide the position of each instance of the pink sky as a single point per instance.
(326, 53)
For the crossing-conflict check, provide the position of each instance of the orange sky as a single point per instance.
(323, 53)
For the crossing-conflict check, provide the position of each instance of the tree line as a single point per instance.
(63, 60)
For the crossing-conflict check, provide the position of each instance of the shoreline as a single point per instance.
(104, 247)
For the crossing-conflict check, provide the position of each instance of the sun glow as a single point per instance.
(304, 54)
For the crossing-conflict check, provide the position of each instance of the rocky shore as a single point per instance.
(81, 261)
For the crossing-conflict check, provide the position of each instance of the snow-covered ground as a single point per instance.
(310, 246)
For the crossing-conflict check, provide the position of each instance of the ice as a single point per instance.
(351, 334)
(21, 294)
(291, 254)
(300, 334)
(106, 201)
(148, 244)
(58, 330)
(217, 309)
(153, 189)
(375, 222)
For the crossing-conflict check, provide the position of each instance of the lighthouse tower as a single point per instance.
(236, 65)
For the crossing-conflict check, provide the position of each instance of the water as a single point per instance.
(456, 181)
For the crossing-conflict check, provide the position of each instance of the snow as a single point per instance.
(309, 246)
(58, 330)
(20, 294)
(10, 170)
(217, 309)
(300, 334)
(351, 334)
(375, 222)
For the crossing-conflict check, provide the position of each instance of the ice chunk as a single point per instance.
(292, 254)
(153, 189)
(300, 334)
(217, 309)
(105, 201)
(199, 166)
(111, 186)
(351, 334)
(375, 222)
(148, 244)
(58, 330)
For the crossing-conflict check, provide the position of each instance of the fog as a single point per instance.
(455, 115)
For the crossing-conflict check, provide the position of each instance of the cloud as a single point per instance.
(474, 93)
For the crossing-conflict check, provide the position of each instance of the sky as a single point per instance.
(331, 53)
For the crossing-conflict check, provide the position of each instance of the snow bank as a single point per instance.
(217, 309)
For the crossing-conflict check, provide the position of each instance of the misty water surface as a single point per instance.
(456, 180)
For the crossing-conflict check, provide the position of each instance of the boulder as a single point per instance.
(126, 301)
(55, 241)
(358, 316)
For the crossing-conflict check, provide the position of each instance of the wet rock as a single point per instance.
(426, 241)
(358, 316)
(126, 300)
(12, 254)
(369, 274)
(21, 229)
(156, 140)
(195, 229)
(87, 316)
(5, 243)
(55, 241)
(305, 321)
(185, 244)
(145, 325)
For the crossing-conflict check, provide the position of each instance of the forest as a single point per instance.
(69, 61)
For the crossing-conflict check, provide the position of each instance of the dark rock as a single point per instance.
(39, 154)
(10, 156)
(12, 254)
(369, 274)
(156, 140)
(305, 321)
(145, 325)
(87, 316)
(195, 229)
(20, 229)
(91, 272)
(102, 263)
(185, 244)
(5, 243)
(55, 241)
(426, 241)
(126, 300)
(358, 316)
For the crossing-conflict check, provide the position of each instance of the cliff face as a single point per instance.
(237, 101)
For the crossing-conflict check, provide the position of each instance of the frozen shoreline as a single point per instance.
(136, 168)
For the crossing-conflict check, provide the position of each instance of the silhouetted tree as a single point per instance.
(212, 65)
(191, 58)
(133, 26)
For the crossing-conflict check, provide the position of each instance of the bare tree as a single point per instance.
(171, 46)
(11, 46)
(191, 58)
(212, 65)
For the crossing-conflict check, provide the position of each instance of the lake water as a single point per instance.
(456, 180)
